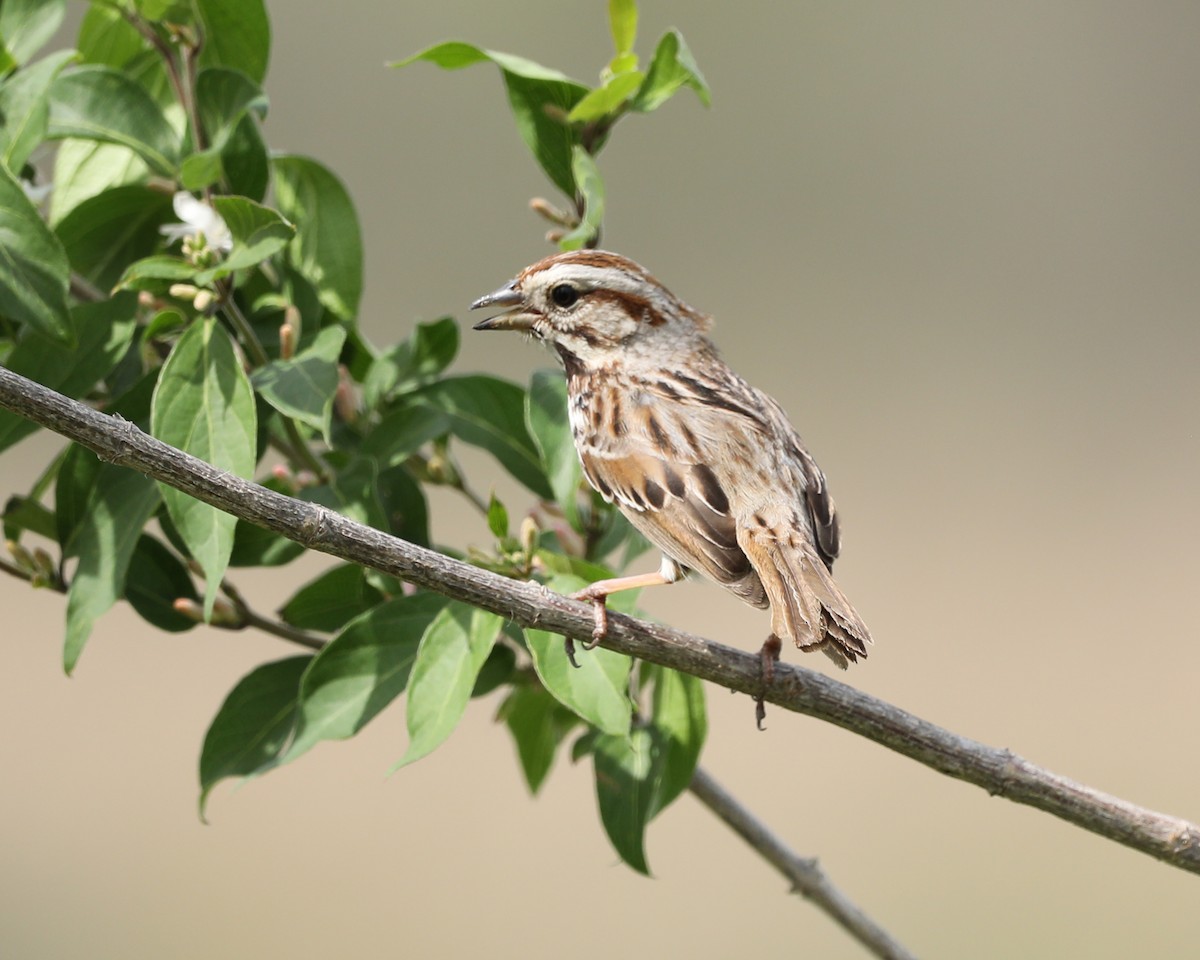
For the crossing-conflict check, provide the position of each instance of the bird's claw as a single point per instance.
(599, 616)
(569, 650)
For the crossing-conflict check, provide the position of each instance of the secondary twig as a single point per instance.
(1170, 839)
(805, 874)
(248, 617)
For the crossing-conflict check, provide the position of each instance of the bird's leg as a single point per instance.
(597, 595)
(768, 656)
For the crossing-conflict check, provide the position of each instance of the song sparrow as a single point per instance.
(702, 463)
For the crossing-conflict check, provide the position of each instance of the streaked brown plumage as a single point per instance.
(702, 463)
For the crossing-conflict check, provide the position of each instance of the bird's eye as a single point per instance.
(564, 295)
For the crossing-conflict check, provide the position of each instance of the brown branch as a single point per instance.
(806, 875)
(1170, 839)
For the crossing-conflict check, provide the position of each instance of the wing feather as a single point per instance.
(666, 503)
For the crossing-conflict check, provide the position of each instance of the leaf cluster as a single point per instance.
(187, 279)
(565, 123)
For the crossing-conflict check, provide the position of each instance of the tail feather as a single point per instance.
(807, 605)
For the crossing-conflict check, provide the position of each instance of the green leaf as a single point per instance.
(162, 323)
(107, 37)
(332, 600)
(598, 690)
(672, 68)
(34, 271)
(73, 485)
(497, 670)
(201, 170)
(623, 20)
(159, 10)
(223, 98)
(105, 330)
(606, 99)
(540, 99)
(625, 790)
(591, 188)
(25, 108)
(25, 513)
(252, 727)
(156, 578)
(304, 387)
(104, 233)
(361, 671)
(119, 504)
(99, 103)
(203, 404)
(27, 25)
(85, 168)
(679, 715)
(412, 362)
(403, 432)
(538, 724)
(490, 413)
(245, 160)
(327, 249)
(405, 511)
(353, 491)
(237, 34)
(577, 567)
(156, 273)
(258, 232)
(546, 418)
(497, 518)
(229, 102)
(585, 744)
(451, 654)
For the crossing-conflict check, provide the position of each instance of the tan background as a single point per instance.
(959, 242)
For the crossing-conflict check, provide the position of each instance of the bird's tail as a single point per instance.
(807, 606)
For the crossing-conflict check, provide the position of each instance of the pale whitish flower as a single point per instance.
(198, 218)
(36, 192)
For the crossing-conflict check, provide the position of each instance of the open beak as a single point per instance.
(512, 319)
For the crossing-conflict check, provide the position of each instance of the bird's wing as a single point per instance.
(820, 507)
(650, 469)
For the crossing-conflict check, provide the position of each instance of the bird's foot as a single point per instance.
(599, 602)
(768, 656)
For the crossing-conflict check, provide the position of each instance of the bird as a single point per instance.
(707, 467)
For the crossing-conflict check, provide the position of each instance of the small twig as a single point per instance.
(806, 876)
(241, 325)
(452, 479)
(249, 618)
(1171, 839)
(461, 485)
(83, 289)
(191, 55)
(14, 571)
(167, 55)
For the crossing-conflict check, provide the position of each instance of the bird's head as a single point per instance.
(591, 307)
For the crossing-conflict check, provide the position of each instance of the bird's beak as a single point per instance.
(512, 319)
